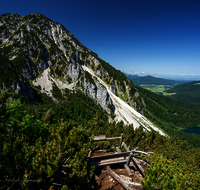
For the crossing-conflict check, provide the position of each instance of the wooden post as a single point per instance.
(118, 149)
(138, 166)
(121, 140)
(129, 158)
(127, 149)
(127, 164)
(128, 170)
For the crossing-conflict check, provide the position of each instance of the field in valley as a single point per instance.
(159, 89)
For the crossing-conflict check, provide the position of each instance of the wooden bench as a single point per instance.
(104, 160)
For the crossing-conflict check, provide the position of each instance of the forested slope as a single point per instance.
(37, 141)
(172, 115)
(150, 80)
(188, 92)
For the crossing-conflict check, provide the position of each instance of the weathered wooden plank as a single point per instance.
(141, 152)
(125, 184)
(100, 136)
(127, 149)
(96, 163)
(138, 166)
(128, 170)
(121, 140)
(143, 160)
(118, 149)
(106, 139)
(129, 158)
(92, 150)
(110, 156)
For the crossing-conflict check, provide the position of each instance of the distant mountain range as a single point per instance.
(149, 80)
(181, 90)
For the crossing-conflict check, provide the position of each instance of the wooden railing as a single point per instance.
(117, 158)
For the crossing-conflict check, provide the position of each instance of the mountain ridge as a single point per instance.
(44, 56)
(146, 80)
(36, 46)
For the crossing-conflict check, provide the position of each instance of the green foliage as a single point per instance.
(7, 72)
(188, 92)
(116, 74)
(162, 177)
(171, 115)
(29, 155)
(36, 140)
(167, 174)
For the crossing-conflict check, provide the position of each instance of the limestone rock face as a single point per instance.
(44, 53)
(24, 88)
(74, 71)
(104, 99)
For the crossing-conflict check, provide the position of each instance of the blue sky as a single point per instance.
(152, 36)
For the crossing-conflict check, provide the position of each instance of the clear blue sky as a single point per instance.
(151, 36)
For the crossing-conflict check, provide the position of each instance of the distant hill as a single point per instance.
(188, 92)
(131, 77)
(149, 80)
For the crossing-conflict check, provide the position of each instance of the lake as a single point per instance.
(192, 130)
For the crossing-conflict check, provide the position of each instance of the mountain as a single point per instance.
(41, 58)
(150, 80)
(131, 76)
(39, 55)
(56, 95)
(188, 92)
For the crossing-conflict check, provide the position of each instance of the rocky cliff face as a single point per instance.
(39, 52)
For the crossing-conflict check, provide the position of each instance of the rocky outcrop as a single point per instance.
(74, 71)
(47, 54)
(24, 88)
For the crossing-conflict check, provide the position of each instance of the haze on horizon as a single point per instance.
(154, 37)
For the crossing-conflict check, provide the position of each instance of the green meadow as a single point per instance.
(159, 89)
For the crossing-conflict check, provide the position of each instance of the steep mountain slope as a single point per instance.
(188, 92)
(126, 113)
(40, 55)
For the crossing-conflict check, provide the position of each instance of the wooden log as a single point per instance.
(129, 158)
(91, 151)
(118, 149)
(109, 156)
(121, 140)
(138, 166)
(142, 152)
(143, 160)
(109, 162)
(105, 139)
(125, 184)
(100, 137)
(128, 170)
(127, 149)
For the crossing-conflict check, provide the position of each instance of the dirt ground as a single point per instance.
(105, 182)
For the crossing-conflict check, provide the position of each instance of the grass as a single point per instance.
(159, 89)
